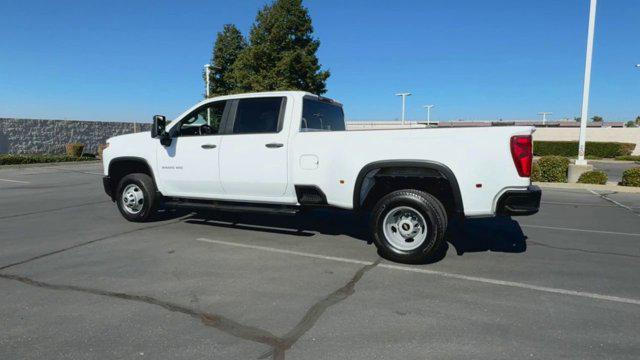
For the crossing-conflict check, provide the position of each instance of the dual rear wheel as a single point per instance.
(408, 226)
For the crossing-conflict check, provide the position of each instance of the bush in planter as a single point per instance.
(631, 177)
(553, 168)
(535, 172)
(74, 149)
(593, 177)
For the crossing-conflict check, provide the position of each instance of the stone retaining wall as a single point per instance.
(25, 136)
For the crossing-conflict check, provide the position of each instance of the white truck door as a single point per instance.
(253, 152)
(189, 166)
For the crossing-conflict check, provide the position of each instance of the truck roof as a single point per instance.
(264, 93)
(252, 95)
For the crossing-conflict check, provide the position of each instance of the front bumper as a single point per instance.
(520, 202)
(106, 183)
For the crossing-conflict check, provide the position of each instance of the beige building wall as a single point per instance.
(628, 135)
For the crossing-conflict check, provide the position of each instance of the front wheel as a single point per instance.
(136, 197)
(408, 226)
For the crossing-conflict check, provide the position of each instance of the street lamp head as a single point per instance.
(403, 94)
(638, 65)
(428, 106)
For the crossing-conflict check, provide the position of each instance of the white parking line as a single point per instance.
(434, 272)
(579, 230)
(15, 181)
(605, 197)
(574, 204)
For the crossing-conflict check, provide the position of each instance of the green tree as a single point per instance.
(229, 44)
(638, 120)
(631, 123)
(282, 52)
(597, 118)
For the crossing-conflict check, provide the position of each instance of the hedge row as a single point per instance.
(12, 159)
(570, 148)
(629, 157)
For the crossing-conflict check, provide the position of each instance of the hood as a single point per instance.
(130, 137)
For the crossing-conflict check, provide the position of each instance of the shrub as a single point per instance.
(13, 159)
(74, 149)
(535, 172)
(631, 177)
(101, 148)
(593, 177)
(629, 157)
(570, 148)
(553, 168)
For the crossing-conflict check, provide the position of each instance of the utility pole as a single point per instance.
(428, 107)
(207, 75)
(544, 116)
(404, 100)
(587, 84)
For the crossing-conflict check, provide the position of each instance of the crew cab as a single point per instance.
(288, 151)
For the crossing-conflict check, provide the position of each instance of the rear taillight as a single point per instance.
(522, 153)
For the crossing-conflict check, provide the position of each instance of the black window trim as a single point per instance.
(320, 99)
(231, 119)
(225, 117)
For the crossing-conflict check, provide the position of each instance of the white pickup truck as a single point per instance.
(286, 151)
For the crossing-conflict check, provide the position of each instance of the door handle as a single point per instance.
(208, 146)
(274, 145)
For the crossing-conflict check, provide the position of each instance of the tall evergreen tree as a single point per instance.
(282, 52)
(229, 43)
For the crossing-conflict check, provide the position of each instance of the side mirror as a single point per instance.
(159, 124)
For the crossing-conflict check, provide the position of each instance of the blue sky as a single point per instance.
(127, 60)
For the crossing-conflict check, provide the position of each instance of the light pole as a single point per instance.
(404, 100)
(428, 107)
(207, 74)
(544, 116)
(587, 82)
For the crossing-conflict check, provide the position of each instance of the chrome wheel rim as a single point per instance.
(405, 228)
(133, 199)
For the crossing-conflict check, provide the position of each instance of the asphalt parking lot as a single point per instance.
(79, 282)
(613, 169)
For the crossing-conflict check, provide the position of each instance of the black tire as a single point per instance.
(150, 201)
(433, 213)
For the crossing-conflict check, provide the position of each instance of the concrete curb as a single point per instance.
(608, 187)
(20, 166)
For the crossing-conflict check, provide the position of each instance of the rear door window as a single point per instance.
(258, 115)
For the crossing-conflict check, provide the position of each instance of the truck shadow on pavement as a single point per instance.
(308, 223)
(497, 234)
